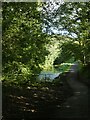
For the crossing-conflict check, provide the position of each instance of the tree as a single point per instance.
(23, 40)
(74, 18)
(53, 48)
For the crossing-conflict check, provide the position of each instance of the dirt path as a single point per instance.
(77, 105)
(74, 107)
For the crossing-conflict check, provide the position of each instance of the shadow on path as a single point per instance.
(77, 105)
(47, 101)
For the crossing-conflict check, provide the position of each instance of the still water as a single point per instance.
(49, 74)
(54, 72)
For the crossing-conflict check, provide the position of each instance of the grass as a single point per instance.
(63, 67)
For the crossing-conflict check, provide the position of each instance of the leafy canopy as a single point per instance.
(23, 40)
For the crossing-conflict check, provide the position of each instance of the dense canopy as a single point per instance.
(30, 42)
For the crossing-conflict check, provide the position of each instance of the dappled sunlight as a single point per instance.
(18, 97)
(28, 88)
(27, 104)
(77, 93)
(45, 88)
(58, 106)
(56, 98)
(46, 52)
(43, 97)
(67, 106)
(34, 99)
(35, 95)
(28, 109)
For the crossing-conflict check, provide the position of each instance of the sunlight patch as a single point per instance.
(27, 104)
(30, 110)
(35, 95)
(68, 106)
(58, 106)
(77, 93)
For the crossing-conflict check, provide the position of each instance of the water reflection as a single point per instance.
(55, 71)
(49, 75)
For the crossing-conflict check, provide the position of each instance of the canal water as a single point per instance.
(48, 75)
(56, 71)
(53, 73)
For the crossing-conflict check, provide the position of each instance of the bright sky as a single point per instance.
(52, 7)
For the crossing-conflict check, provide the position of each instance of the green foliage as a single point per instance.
(63, 67)
(29, 43)
(53, 48)
(70, 50)
(74, 19)
(23, 41)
